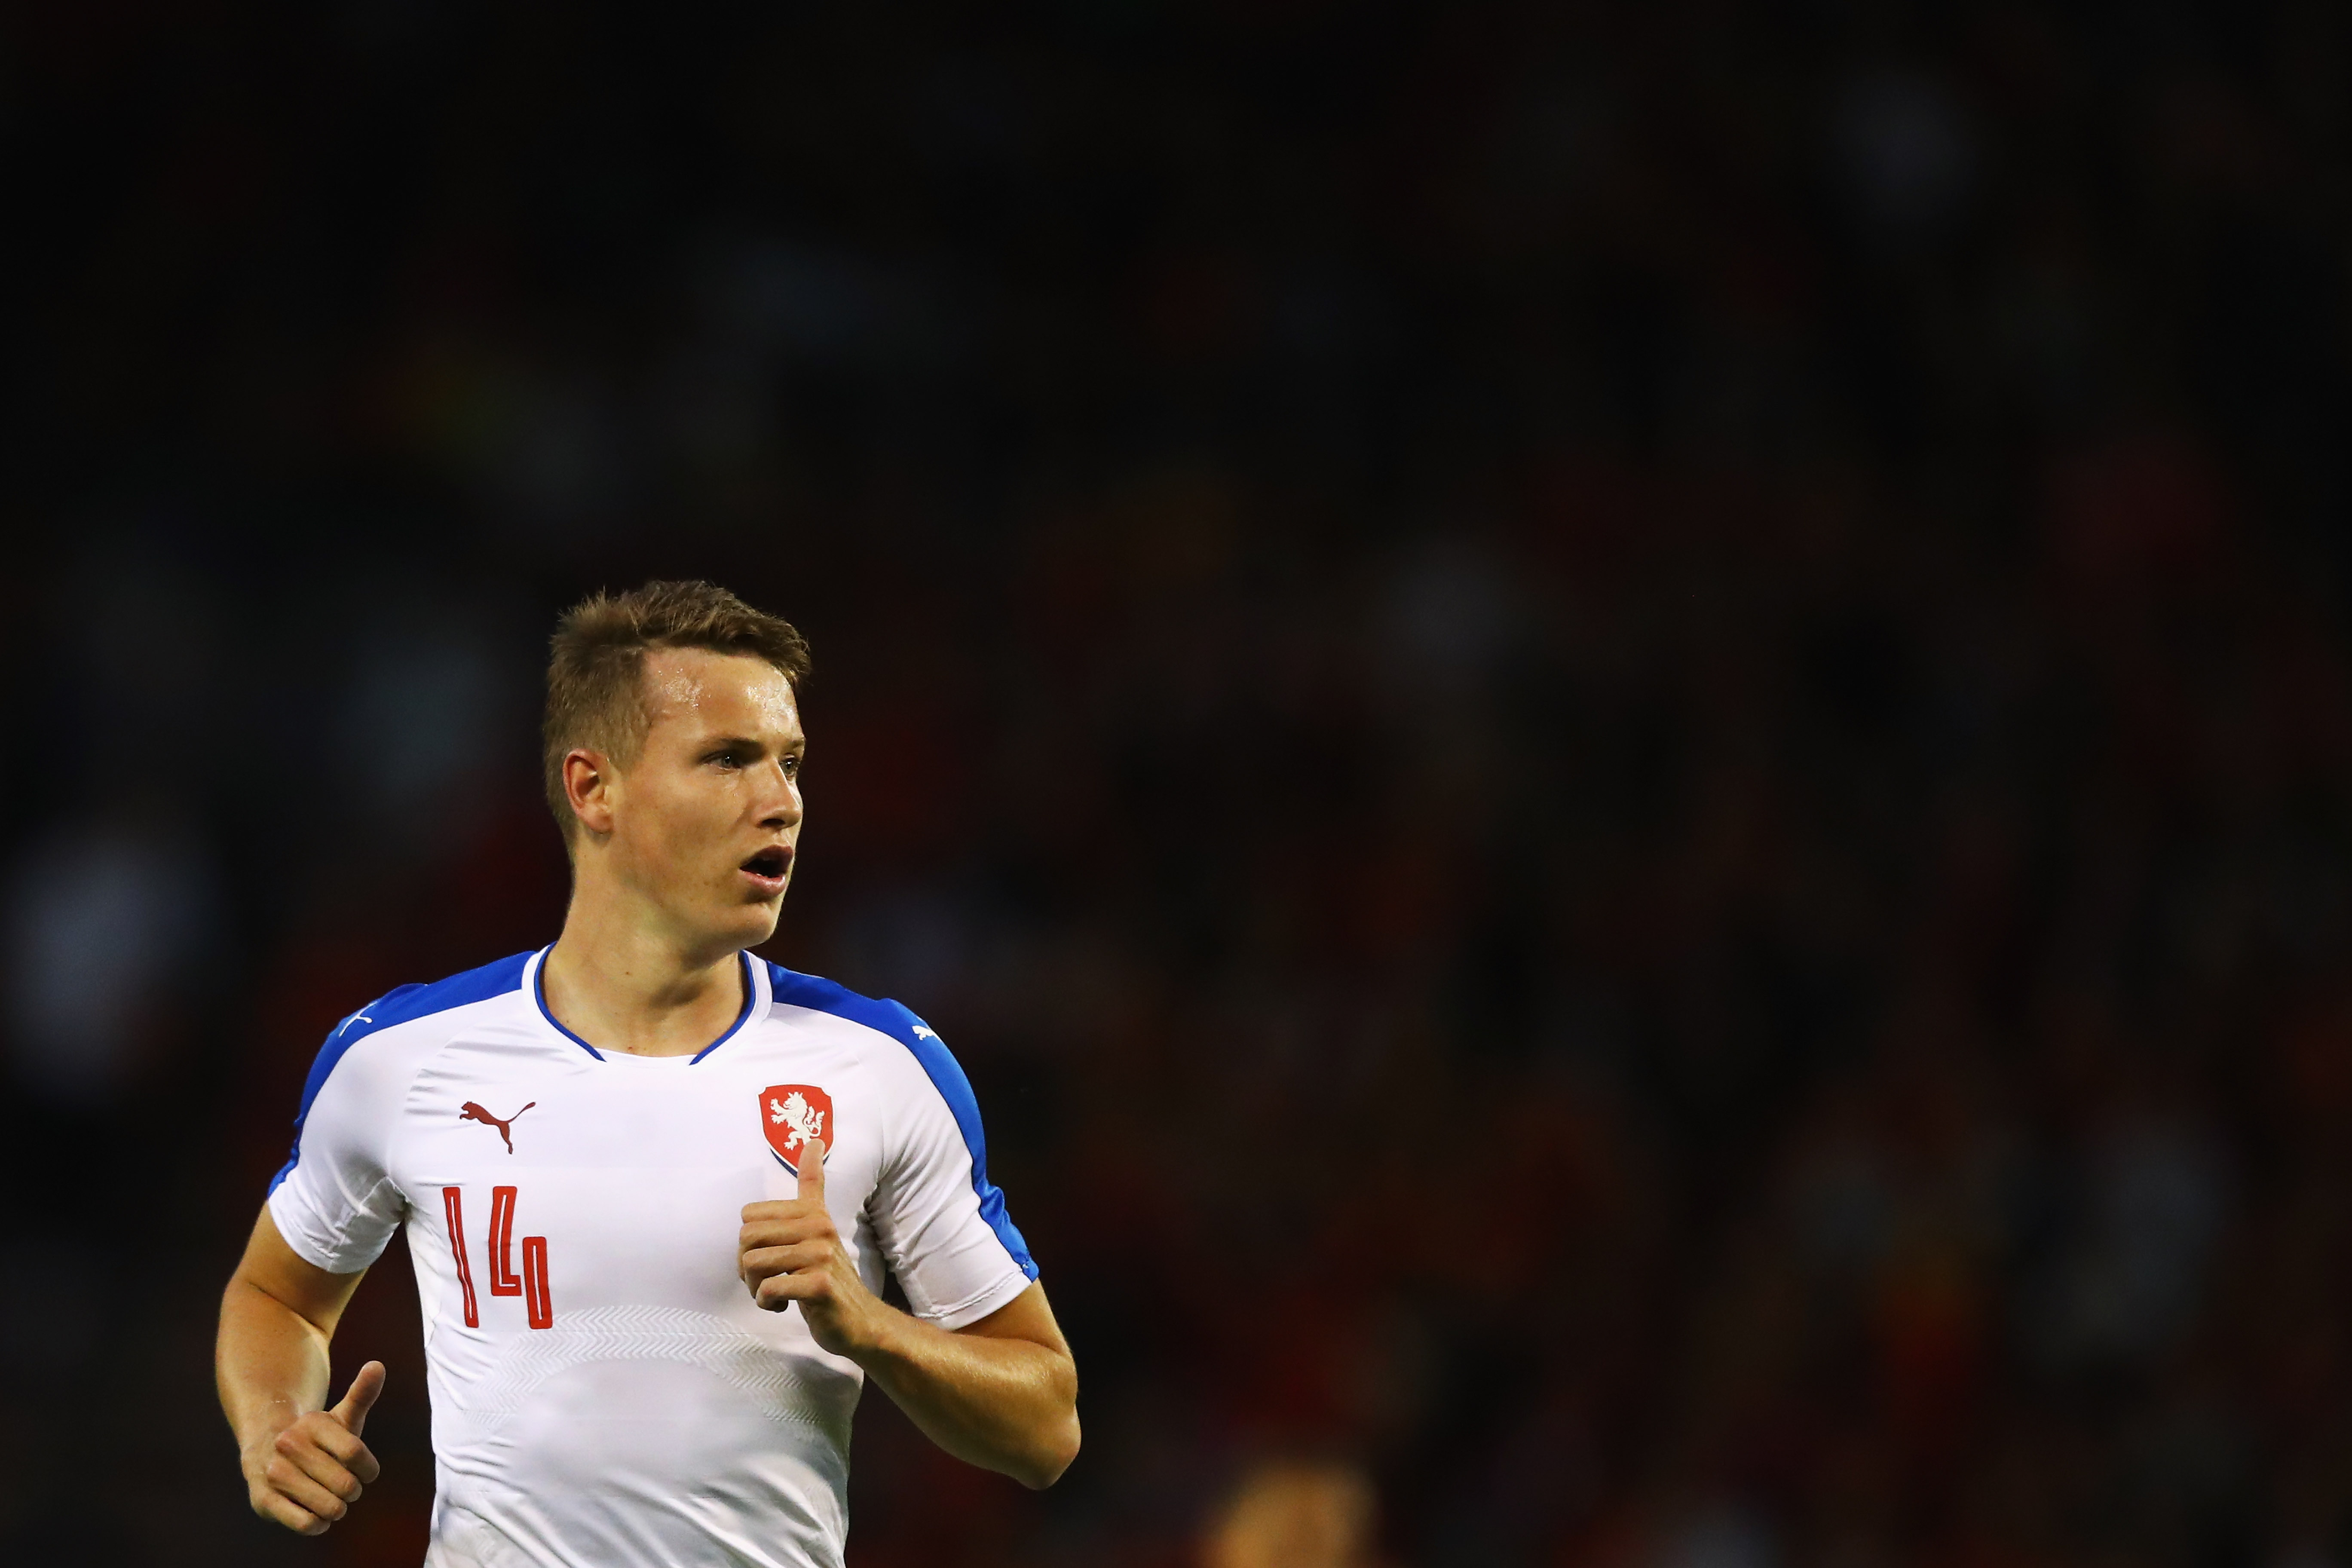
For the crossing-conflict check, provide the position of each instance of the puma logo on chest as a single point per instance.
(474, 1112)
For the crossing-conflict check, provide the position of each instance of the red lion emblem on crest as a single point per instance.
(792, 1113)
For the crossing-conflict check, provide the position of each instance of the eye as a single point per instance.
(727, 759)
(792, 767)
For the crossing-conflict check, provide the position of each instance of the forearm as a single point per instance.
(271, 1362)
(1005, 1405)
(1001, 1393)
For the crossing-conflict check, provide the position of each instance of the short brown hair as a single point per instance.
(597, 661)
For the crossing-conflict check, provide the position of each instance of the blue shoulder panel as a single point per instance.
(401, 1004)
(946, 1075)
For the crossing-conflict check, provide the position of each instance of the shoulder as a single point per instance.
(922, 1047)
(940, 1146)
(382, 1018)
(407, 1004)
(793, 989)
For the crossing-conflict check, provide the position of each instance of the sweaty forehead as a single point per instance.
(717, 690)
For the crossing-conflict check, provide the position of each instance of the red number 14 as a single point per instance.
(539, 1310)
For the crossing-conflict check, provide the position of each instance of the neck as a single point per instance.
(621, 982)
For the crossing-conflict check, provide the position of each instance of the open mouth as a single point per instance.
(769, 865)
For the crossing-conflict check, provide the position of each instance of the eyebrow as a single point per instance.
(746, 743)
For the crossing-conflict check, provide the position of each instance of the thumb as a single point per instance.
(812, 1169)
(361, 1397)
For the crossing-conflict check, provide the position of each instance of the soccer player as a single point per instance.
(651, 1184)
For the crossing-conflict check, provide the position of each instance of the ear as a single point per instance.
(589, 782)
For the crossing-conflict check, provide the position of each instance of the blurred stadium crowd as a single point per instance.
(1619, 736)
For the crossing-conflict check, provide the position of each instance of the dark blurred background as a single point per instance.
(1617, 735)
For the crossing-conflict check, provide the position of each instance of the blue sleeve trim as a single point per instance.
(402, 1004)
(938, 1065)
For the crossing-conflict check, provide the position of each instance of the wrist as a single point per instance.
(881, 1336)
(260, 1423)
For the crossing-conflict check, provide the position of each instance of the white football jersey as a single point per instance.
(606, 1393)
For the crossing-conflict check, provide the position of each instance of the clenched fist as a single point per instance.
(790, 1251)
(308, 1475)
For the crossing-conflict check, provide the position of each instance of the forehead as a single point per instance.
(707, 691)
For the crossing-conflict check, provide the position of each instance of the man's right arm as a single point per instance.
(304, 1464)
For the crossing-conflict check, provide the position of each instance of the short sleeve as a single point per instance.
(335, 1202)
(941, 1223)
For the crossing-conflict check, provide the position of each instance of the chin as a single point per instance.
(755, 923)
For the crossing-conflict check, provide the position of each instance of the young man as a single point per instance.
(651, 1184)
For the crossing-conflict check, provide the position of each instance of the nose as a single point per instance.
(781, 805)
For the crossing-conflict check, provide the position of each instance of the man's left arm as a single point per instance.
(1001, 1393)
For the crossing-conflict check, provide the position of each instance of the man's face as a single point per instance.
(705, 821)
